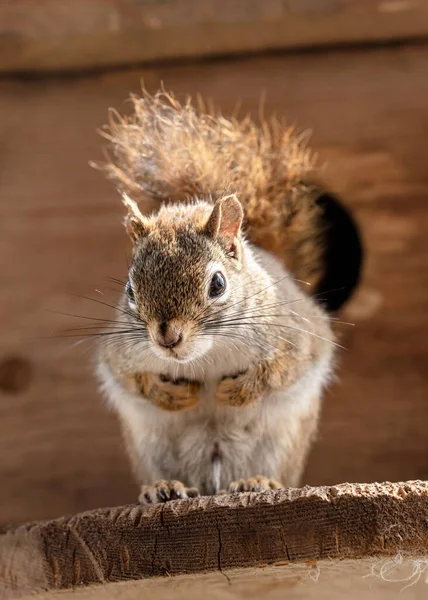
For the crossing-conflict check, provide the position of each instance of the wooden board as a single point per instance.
(322, 580)
(61, 233)
(284, 529)
(101, 33)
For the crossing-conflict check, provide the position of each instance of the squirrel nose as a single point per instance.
(168, 337)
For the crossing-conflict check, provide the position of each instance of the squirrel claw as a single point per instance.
(255, 484)
(165, 491)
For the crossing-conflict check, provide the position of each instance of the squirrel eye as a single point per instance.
(129, 292)
(218, 285)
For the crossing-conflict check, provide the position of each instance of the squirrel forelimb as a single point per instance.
(168, 394)
(241, 389)
(266, 376)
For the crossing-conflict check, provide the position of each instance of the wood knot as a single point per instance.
(15, 374)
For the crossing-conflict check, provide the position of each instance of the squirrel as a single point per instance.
(217, 358)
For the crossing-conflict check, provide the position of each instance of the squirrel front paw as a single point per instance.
(254, 484)
(164, 491)
(166, 393)
(237, 390)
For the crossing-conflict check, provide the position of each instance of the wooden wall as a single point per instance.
(60, 451)
(57, 35)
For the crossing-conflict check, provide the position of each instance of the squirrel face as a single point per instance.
(186, 266)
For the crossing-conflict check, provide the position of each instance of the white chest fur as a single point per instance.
(210, 446)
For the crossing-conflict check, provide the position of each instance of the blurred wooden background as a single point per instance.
(61, 236)
(55, 35)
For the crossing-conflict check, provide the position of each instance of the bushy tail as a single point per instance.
(171, 152)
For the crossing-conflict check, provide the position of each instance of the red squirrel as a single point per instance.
(218, 356)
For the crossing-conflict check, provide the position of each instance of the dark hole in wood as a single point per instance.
(343, 254)
(15, 374)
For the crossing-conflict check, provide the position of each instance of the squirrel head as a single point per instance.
(187, 267)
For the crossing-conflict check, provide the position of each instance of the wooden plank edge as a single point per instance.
(224, 532)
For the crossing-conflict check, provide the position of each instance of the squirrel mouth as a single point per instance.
(170, 353)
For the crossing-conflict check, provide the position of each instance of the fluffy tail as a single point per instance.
(171, 152)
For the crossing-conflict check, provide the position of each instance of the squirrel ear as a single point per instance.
(135, 223)
(225, 222)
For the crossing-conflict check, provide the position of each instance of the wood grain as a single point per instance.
(103, 33)
(61, 233)
(322, 580)
(216, 534)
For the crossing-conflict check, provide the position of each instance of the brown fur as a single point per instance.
(168, 395)
(163, 392)
(172, 152)
(281, 371)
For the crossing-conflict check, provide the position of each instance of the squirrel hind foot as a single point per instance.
(165, 491)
